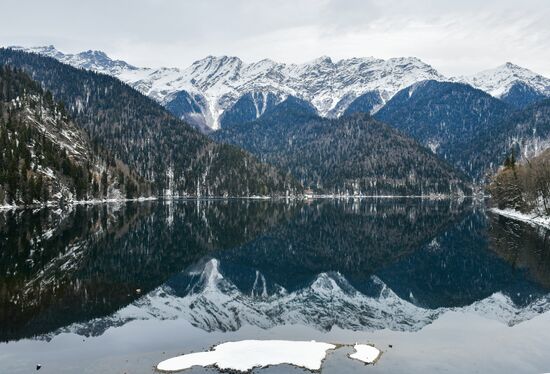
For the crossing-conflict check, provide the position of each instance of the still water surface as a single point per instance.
(117, 289)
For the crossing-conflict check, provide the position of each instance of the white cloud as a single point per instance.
(455, 37)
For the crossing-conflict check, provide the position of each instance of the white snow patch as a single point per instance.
(365, 353)
(531, 218)
(246, 355)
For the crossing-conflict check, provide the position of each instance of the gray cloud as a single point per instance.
(456, 37)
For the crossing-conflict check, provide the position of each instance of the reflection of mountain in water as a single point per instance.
(71, 266)
(214, 303)
(358, 264)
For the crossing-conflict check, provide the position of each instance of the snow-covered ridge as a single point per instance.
(91, 60)
(221, 81)
(214, 84)
(498, 81)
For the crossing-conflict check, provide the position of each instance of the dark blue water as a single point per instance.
(114, 289)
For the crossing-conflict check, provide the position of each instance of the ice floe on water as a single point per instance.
(366, 353)
(246, 355)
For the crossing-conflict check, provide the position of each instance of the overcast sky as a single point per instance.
(454, 36)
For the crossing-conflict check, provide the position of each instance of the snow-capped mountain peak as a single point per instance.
(498, 81)
(216, 83)
(90, 59)
(204, 91)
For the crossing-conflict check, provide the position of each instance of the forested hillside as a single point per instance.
(172, 156)
(350, 155)
(523, 186)
(449, 118)
(45, 157)
(525, 135)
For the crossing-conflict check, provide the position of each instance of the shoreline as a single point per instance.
(533, 219)
(56, 204)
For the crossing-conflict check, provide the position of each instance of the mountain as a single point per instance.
(45, 157)
(249, 107)
(90, 60)
(349, 155)
(521, 95)
(216, 84)
(368, 102)
(512, 83)
(172, 156)
(448, 118)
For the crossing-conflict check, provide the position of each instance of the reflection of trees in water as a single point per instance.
(58, 268)
(353, 237)
(455, 269)
(524, 246)
(433, 254)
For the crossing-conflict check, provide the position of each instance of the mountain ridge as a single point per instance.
(216, 83)
(447, 117)
(221, 81)
(499, 81)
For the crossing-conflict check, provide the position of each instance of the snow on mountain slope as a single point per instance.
(213, 302)
(204, 91)
(324, 83)
(330, 86)
(498, 81)
(91, 60)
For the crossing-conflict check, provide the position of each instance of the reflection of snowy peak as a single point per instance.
(217, 83)
(213, 303)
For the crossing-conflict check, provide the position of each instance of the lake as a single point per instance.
(438, 286)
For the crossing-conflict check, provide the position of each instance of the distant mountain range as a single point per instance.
(511, 83)
(202, 93)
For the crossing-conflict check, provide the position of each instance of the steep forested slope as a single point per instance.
(446, 117)
(352, 154)
(44, 156)
(521, 95)
(366, 103)
(138, 131)
(249, 107)
(525, 134)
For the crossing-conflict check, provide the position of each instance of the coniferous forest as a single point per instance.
(166, 153)
(45, 156)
